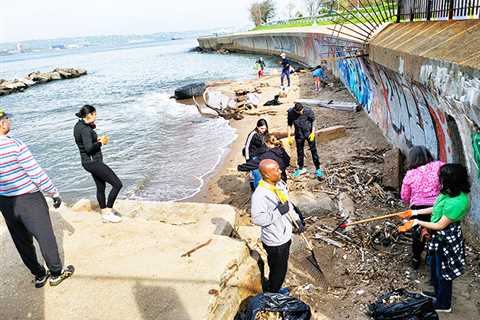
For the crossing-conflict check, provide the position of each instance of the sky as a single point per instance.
(45, 19)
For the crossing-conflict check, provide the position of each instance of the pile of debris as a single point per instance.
(245, 102)
(19, 85)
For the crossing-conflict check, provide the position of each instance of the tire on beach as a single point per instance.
(190, 90)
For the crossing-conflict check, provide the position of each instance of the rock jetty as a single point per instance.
(19, 85)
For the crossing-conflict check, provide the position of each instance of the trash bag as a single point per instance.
(401, 304)
(290, 308)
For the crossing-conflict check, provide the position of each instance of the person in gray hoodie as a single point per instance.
(272, 211)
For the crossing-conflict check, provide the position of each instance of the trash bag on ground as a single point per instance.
(286, 307)
(402, 304)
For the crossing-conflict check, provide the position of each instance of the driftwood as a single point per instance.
(189, 252)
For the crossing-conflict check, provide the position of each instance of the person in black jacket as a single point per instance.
(276, 152)
(90, 145)
(255, 144)
(301, 119)
(254, 147)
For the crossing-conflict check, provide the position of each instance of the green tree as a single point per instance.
(262, 11)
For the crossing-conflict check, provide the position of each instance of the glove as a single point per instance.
(425, 235)
(57, 201)
(283, 208)
(311, 137)
(290, 140)
(407, 226)
(407, 214)
(301, 227)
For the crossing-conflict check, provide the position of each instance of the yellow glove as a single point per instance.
(290, 140)
(311, 137)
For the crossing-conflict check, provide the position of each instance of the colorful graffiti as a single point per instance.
(355, 79)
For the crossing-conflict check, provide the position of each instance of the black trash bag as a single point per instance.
(290, 307)
(413, 306)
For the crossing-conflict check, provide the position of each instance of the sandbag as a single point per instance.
(289, 307)
(410, 306)
(190, 90)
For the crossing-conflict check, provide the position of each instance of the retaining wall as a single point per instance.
(420, 83)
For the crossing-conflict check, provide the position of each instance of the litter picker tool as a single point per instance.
(344, 225)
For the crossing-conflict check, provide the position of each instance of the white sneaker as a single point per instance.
(111, 217)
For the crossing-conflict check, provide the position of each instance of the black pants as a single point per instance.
(418, 245)
(300, 142)
(278, 263)
(102, 174)
(27, 217)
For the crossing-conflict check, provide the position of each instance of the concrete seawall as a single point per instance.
(420, 83)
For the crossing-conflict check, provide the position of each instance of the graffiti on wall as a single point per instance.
(406, 111)
(356, 80)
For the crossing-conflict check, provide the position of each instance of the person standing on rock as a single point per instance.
(272, 211)
(285, 69)
(301, 120)
(90, 145)
(25, 210)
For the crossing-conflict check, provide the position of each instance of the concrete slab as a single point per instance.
(134, 270)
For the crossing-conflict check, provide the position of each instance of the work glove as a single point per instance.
(425, 235)
(311, 137)
(283, 208)
(57, 201)
(290, 140)
(407, 214)
(407, 226)
(300, 227)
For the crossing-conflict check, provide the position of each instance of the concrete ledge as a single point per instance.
(134, 269)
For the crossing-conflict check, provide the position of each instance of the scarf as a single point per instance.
(281, 196)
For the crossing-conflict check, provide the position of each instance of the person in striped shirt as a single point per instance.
(25, 209)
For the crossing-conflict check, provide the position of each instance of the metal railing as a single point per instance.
(421, 10)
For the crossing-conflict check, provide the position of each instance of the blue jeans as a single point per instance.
(285, 73)
(443, 288)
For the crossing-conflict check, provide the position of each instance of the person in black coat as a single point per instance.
(275, 151)
(255, 144)
(90, 147)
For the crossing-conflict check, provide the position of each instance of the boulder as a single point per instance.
(312, 204)
(392, 169)
(346, 205)
(40, 77)
(55, 76)
(82, 205)
(190, 90)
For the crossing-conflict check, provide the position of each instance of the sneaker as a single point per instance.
(319, 173)
(299, 172)
(66, 273)
(428, 294)
(40, 281)
(443, 310)
(111, 217)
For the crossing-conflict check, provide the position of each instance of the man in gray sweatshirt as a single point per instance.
(270, 208)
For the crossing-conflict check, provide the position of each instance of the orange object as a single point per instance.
(405, 214)
(406, 226)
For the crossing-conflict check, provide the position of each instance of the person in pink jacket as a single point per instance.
(420, 188)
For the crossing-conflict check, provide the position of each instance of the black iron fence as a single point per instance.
(414, 10)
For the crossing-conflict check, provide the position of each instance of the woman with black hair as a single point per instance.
(420, 188)
(446, 249)
(254, 147)
(89, 145)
